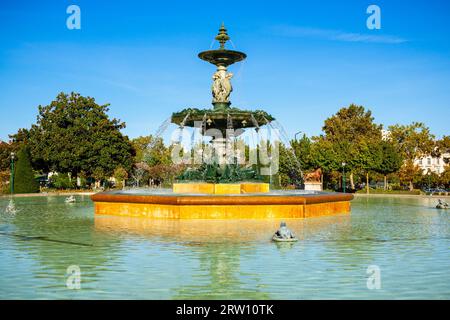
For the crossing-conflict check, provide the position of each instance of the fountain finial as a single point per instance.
(222, 36)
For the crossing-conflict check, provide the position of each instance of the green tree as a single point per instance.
(74, 135)
(410, 173)
(121, 175)
(443, 147)
(349, 133)
(444, 178)
(5, 155)
(62, 181)
(289, 170)
(412, 141)
(368, 158)
(152, 152)
(24, 181)
(391, 160)
(303, 151)
(140, 145)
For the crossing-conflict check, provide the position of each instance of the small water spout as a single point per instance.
(11, 208)
(184, 120)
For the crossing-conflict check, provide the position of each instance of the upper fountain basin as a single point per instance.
(222, 57)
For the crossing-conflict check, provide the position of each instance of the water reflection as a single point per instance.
(57, 235)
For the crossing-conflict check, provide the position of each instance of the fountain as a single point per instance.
(220, 185)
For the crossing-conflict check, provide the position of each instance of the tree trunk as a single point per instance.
(385, 183)
(411, 186)
(367, 182)
(352, 183)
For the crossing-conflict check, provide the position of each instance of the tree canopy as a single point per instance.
(74, 134)
(413, 141)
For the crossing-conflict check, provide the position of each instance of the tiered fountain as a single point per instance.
(221, 186)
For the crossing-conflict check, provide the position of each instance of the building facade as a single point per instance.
(433, 164)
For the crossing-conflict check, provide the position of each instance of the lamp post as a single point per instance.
(295, 136)
(343, 175)
(12, 172)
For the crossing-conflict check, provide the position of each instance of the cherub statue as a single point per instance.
(221, 87)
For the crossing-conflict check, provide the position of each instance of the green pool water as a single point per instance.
(136, 258)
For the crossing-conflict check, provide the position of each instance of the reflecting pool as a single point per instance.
(137, 258)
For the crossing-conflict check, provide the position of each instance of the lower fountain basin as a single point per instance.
(165, 204)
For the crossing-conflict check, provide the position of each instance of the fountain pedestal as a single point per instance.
(313, 186)
(220, 188)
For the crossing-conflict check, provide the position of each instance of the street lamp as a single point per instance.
(343, 175)
(295, 136)
(12, 172)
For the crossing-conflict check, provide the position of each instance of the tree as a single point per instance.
(412, 141)
(391, 160)
(368, 158)
(5, 155)
(410, 173)
(139, 170)
(24, 181)
(444, 179)
(152, 152)
(443, 147)
(289, 170)
(74, 135)
(348, 133)
(302, 150)
(5, 165)
(62, 181)
(121, 175)
(23, 137)
(140, 145)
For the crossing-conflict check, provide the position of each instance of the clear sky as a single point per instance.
(306, 59)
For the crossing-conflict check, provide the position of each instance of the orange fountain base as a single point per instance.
(222, 205)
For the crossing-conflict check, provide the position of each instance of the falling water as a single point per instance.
(159, 132)
(163, 127)
(229, 122)
(285, 140)
(184, 120)
(255, 123)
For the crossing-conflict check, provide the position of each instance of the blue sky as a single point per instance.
(305, 60)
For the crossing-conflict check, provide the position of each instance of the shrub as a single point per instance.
(120, 175)
(62, 181)
(24, 181)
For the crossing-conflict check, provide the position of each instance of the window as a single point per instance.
(429, 161)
